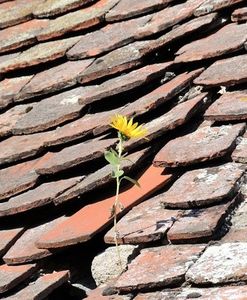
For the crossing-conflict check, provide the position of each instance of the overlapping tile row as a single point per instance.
(66, 67)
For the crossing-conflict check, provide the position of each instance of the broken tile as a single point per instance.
(75, 155)
(11, 276)
(240, 152)
(239, 15)
(209, 6)
(177, 116)
(197, 223)
(50, 112)
(158, 267)
(17, 178)
(93, 218)
(20, 35)
(42, 287)
(123, 83)
(225, 72)
(128, 9)
(220, 264)
(77, 20)
(106, 39)
(53, 79)
(56, 7)
(146, 222)
(116, 61)
(204, 186)
(232, 38)
(24, 250)
(9, 87)
(38, 54)
(7, 238)
(224, 110)
(9, 119)
(39, 196)
(204, 144)
(101, 177)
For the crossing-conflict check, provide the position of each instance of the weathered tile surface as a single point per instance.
(88, 221)
(240, 153)
(8, 238)
(37, 197)
(106, 39)
(38, 54)
(228, 39)
(224, 110)
(220, 264)
(213, 5)
(146, 222)
(77, 20)
(158, 267)
(204, 144)
(25, 249)
(11, 276)
(9, 87)
(50, 112)
(42, 287)
(239, 15)
(71, 156)
(204, 186)
(226, 72)
(53, 79)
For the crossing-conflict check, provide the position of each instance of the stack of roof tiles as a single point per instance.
(67, 66)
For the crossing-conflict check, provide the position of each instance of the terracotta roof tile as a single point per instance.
(216, 141)
(8, 237)
(213, 5)
(240, 154)
(239, 15)
(13, 275)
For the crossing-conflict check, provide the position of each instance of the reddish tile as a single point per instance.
(8, 238)
(229, 71)
(239, 15)
(17, 178)
(25, 250)
(38, 54)
(11, 276)
(77, 20)
(20, 35)
(163, 295)
(106, 39)
(96, 294)
(50, 112)
(117, 61)
(42, 287)
(93, 218)
(240, 153)
(9, 87)
(177, 116)
(204, 144)
(198, 223)
(128, 9)
(224, 110)
(40, 196)
(101, 177)
(9, 119)
(204, 186)
(213, 5)
(146, 222)
(220, 264)
(56, 7)
(123, 83)
(53, 79)
(236, 235)
(232, 38)
(158, 267)
(75, 155)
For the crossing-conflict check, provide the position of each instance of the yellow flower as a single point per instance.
(127, 128)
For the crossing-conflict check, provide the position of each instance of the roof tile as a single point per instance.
(204, 144)
(7, 238)
(239, 15)
(202, 186)
(240, 153)
(158, 267)
(209, 6)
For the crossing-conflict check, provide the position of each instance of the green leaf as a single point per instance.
(117, 173)
(112, 158)
(132, 180)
